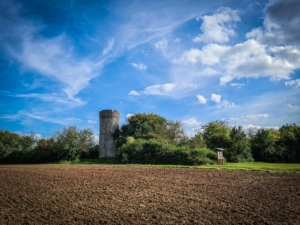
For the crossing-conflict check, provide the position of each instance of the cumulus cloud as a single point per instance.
(192, 122)
(218, 27)
(159, 89)
(293, 83)
(272, 50)
(209, 72)
(92, 121)
(236, 84)
(96, 139)
(163, 44)
(285, 23)
(226, 104)
(133, 92)
(139, 66)
(192, 126)
(215, 98)
(129, 115)
(209, 55)
(201, 99)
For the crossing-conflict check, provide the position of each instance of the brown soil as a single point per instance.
(62, 194)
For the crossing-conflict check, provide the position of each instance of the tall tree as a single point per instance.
(240, 148)
(151, 126)
(264, 145)
(216, 134)
(71, 142)
(290, 141)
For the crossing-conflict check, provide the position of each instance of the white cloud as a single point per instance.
(216, 98)
(96, 139)
(133, 92)
(53, 58)
(159, 89)
(257, 116)
(162, 45)
(192, 122)
(191, 126)
(292, 106)
(227, 104)
(37, 136)
(45, 117)
(139, 66)
(201, 99)
(293, 83)
(236, 84)
(54, 98)
(92, 121)
(129, 115)
(109, 46)
(209, 72)
(251, 117)
(218, 27)
(254, 127)
(209, 55)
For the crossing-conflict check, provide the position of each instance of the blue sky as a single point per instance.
(61, 62)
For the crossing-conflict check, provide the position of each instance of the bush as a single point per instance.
(161, 152)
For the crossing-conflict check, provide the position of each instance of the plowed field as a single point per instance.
(63, 194)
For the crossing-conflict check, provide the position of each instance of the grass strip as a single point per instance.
(247, 166)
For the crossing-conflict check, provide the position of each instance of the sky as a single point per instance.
(61, 62)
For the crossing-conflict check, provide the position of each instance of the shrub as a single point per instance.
(161, 152)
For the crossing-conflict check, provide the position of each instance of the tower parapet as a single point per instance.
(109, 122)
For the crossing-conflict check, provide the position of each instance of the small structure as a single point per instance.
(109, 122)
(220, 155)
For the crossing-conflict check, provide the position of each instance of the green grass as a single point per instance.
(97, 161)
(248, 166)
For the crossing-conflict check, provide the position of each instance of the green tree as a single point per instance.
(12, 142)
(217, 134)
(71, 142)
(28, 142)
(195, 142)
(239, 149)
(9, 142)
(290, 142)
(264, 145)
(172, 132)
(151, 126)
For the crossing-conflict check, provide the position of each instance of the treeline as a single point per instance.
(150, 138)
(67, 144)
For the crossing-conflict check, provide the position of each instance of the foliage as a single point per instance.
(195, 142)
(92, 153)
(66, 144)
(216, 134)
(239, 149)
(71, 142)
(264, 146)
(161, 152)
(12, 142)
(233, 139)
(150, 126)
(290, 141)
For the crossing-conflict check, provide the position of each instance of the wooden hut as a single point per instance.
(220, 156)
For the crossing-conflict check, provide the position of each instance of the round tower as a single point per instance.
(109, 122)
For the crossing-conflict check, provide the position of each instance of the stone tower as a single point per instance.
(109, 122)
